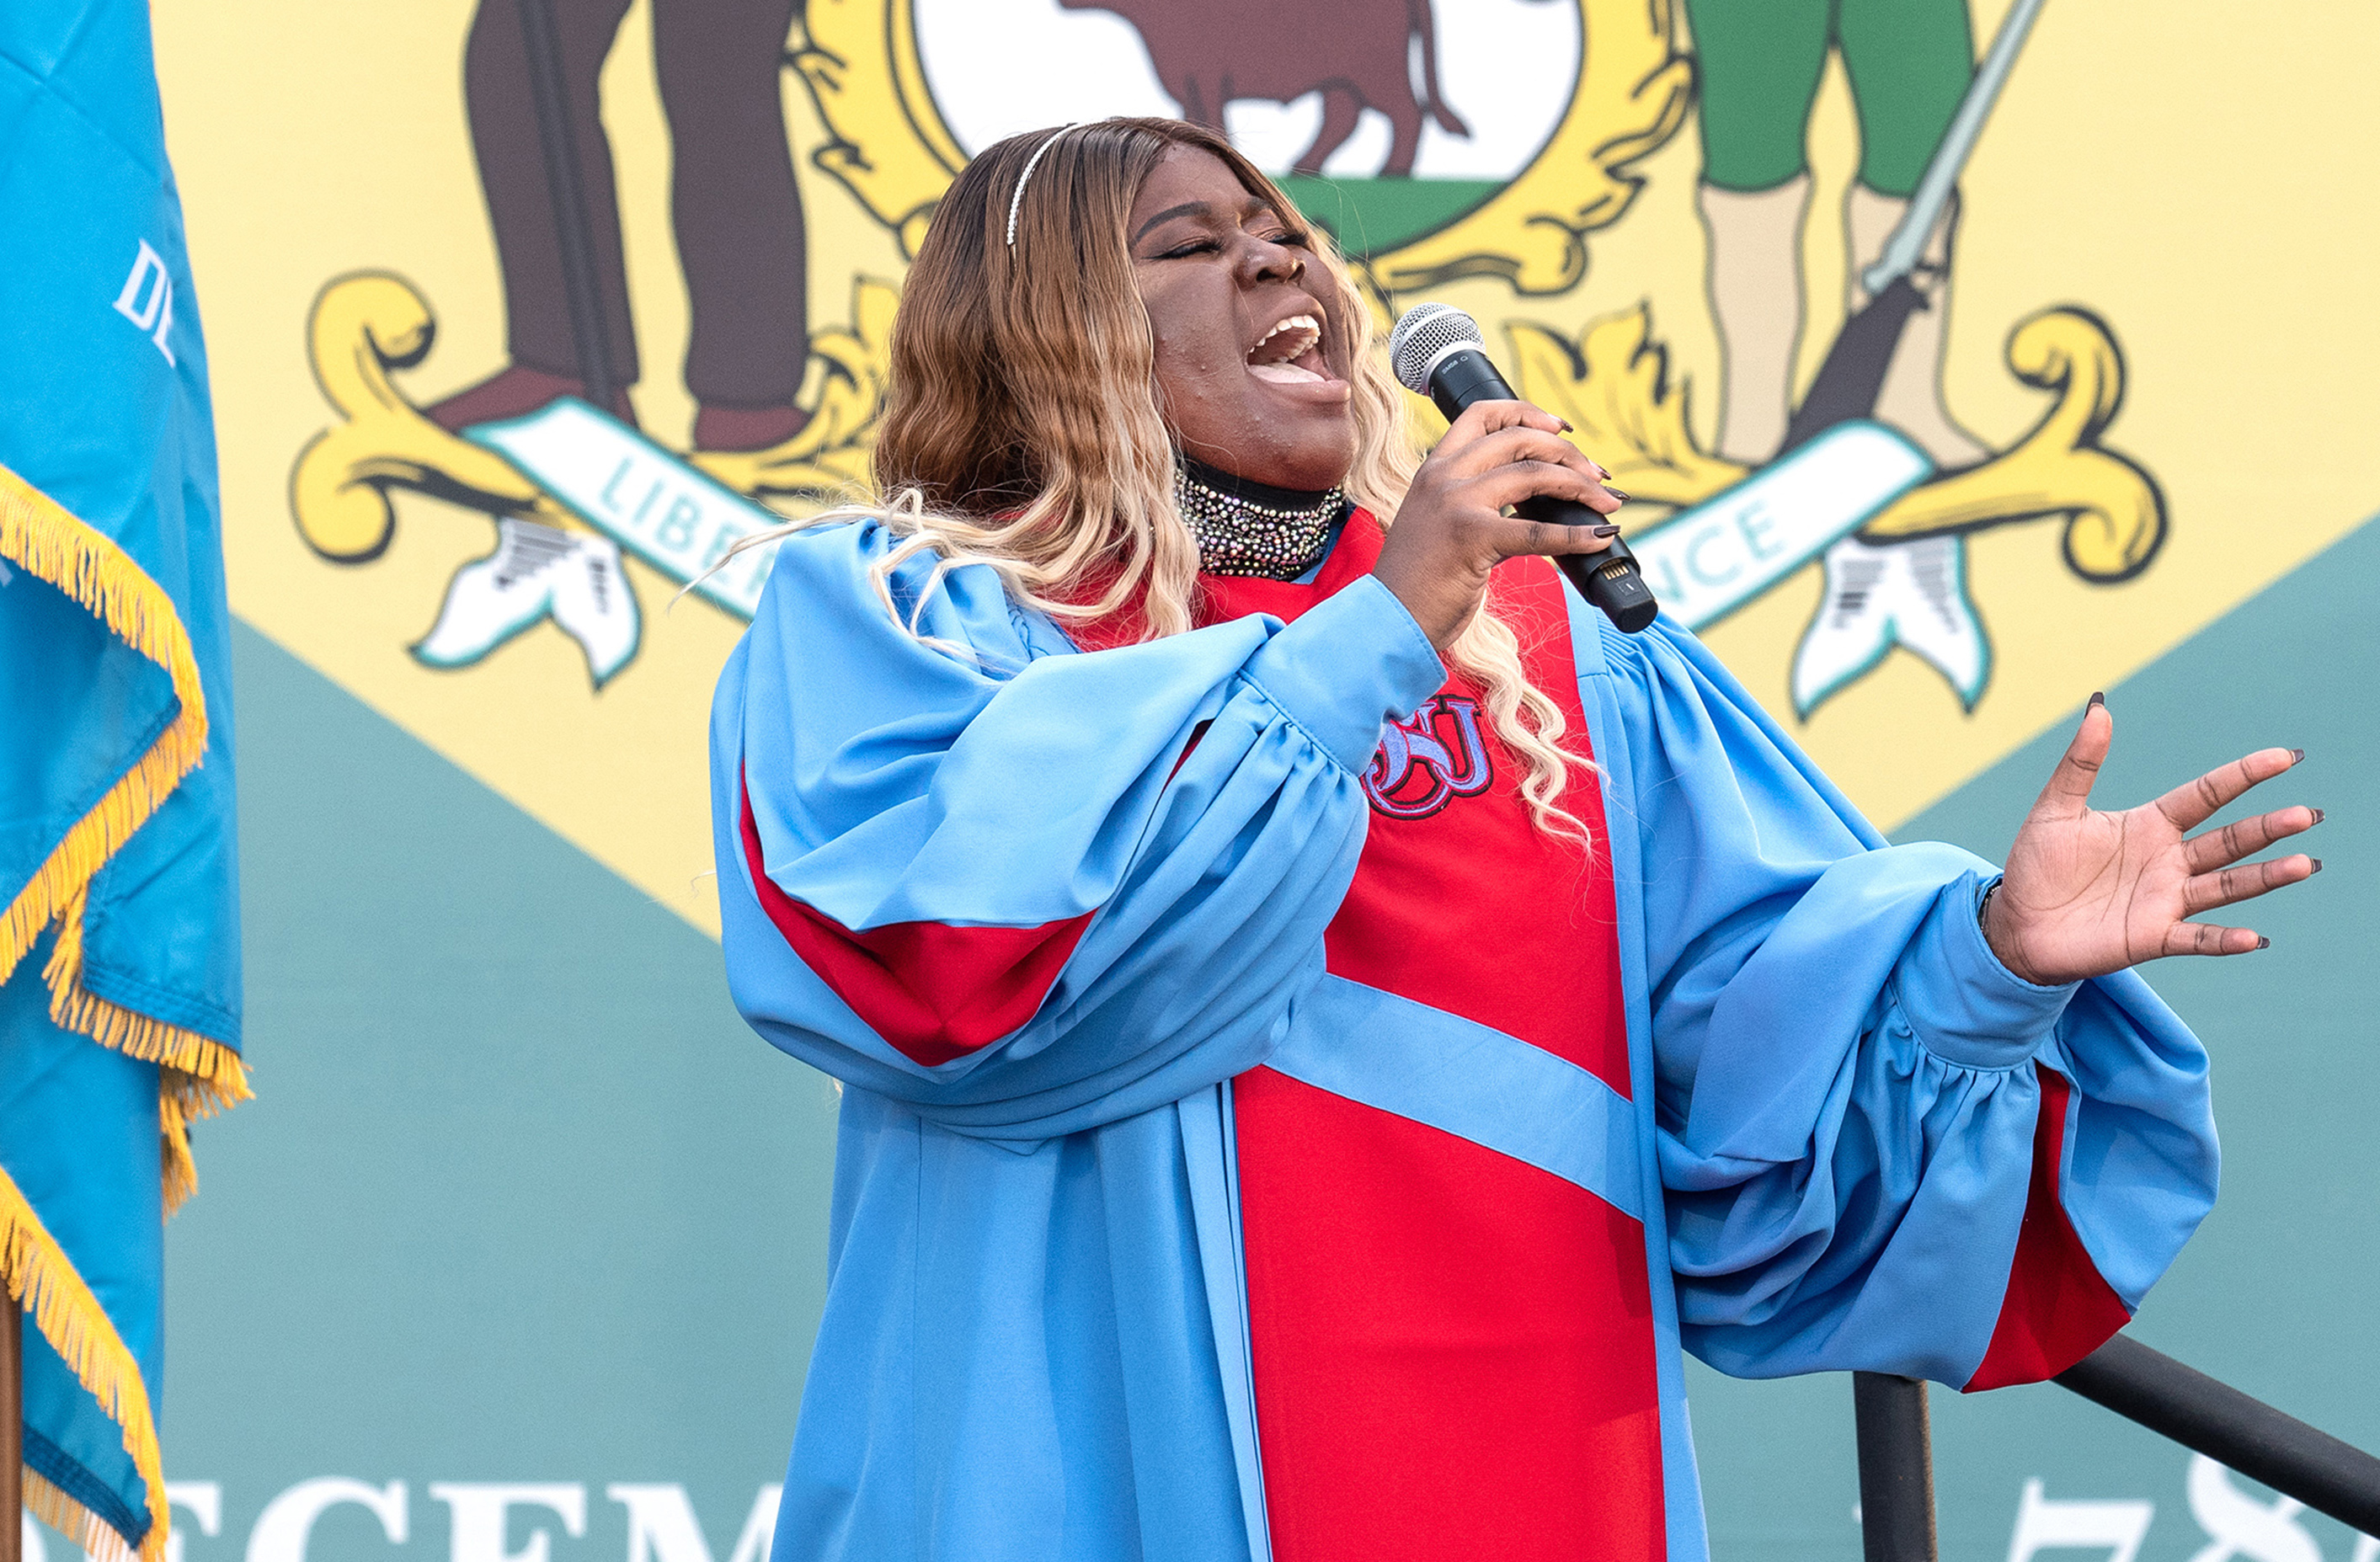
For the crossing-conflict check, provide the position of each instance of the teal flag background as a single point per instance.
(113, 632)
(522, 1205)
(106, 412)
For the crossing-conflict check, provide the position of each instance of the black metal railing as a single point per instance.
(1896, 1446)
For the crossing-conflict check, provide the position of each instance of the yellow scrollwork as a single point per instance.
(369, 325)
(1613, 384)
(365, 325)
(2114, 514)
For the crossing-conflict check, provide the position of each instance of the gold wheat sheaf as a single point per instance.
(368, 327)
(1614, 383)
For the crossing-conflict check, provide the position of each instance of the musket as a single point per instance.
(1852, 375)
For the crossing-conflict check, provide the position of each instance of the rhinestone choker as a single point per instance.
(1245, 527)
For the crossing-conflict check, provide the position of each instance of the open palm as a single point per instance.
(2086, 893)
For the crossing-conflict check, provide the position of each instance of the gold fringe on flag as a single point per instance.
(40, 535)
(197, 1076)
(41, 1280)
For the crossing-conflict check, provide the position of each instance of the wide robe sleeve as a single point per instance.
(1024, 890)
(1880, 1149)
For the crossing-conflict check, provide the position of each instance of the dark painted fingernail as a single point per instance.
(1620, 494)
(2297, 755)
(2263, 943)
(1605, 530)
(2317, 816)
(1566, 428)
(2096, 700)
(2317, 864)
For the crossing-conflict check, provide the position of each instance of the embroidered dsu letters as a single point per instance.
(1421, 764)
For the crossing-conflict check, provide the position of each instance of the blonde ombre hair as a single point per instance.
(1024, 429)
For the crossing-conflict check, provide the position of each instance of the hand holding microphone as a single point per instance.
(1501, 452)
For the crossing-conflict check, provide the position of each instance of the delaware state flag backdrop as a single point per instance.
(548, 1278)
(119, 966)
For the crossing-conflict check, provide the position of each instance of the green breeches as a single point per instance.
(1760, 62)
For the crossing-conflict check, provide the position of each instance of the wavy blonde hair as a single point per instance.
(1024, 429)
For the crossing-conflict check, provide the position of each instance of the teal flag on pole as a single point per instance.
(119, 955)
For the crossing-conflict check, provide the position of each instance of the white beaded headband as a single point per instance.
(1017, 201)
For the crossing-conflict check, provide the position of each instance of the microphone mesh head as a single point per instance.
(1424, 331)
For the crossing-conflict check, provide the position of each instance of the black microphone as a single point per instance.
(1437, 352)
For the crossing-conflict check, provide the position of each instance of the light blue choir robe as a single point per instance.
(1034, 1339)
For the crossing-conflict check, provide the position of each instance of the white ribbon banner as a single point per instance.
(1702, 564)
(1710, 561)
(651, 502)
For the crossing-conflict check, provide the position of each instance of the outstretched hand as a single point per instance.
(2086, 893)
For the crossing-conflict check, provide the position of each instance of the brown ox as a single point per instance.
(1211, 52)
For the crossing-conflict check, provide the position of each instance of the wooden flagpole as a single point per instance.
(12, 1428)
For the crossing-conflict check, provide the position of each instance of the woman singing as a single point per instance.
(1324, 1018)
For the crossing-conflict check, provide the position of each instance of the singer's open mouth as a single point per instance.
(1290, 353)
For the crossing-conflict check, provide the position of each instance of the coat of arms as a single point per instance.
(1480, 145)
